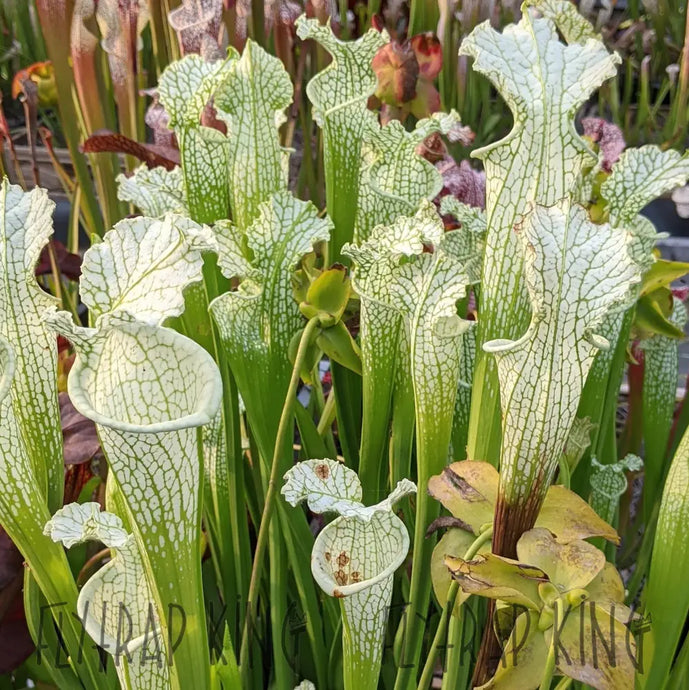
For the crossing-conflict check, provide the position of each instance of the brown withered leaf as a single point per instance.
(105, 141)
(501, 578)
(447, 522)
(469, 490)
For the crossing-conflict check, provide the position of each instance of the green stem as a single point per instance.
(347, 387)
(159, 37)
(565, 475)
(173, 45)
(380, 345)
(427, 675)
(485, 422)
(344, 24)
(277, 553)
(328, 415)
(458, 664)
(258, 22)
(286, 424)
(552, 651)
(223, 508)
(683, 95)
(433, 431)
(423, 16)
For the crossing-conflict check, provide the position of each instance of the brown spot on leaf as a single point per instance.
(342, 559)
(322, 471)
(341, 577)
(328, 556)
(466, 491)
(355, 576)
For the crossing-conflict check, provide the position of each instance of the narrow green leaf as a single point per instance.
(312, 443)
(34, 611)
(225, 668)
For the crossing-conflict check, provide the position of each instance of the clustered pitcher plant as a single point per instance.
(262, 530)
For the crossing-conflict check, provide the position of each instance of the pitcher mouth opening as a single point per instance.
(111, 401)
(322, 561)
(95, 627)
